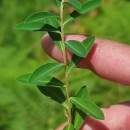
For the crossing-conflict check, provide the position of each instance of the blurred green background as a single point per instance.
(23, 107)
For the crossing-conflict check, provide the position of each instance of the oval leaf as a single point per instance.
(75, 3)
(35, 17)
(76, 47)
(83, 93)
(44, 71)
(54, 93)
(85, 7)
(29, 26)
(88, 107)
(48, 81)
(88, 43)
(69, 127)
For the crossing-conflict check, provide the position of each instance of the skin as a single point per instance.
(109, 60)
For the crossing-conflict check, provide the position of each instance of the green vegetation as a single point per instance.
(75, 107)
(23, 107)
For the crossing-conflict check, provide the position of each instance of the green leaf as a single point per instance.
(48, 81)
(88, 43)
(85, 7)
(44, 71)
(76, 47)
(56, 37)
(29, 26)
(58, 2)
(83, 93)
(54, 93)
(38, 16)
(69, 127)
(88, 107)
(74, 3)
(52, 21)
(79, 116)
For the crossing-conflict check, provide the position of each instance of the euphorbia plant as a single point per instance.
(75, 107)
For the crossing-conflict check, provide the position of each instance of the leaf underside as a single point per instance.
(56, 37)
(54, 93)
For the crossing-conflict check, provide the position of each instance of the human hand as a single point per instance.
(109, 60)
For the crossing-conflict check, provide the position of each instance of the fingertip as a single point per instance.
(50, 48)
(44, 41)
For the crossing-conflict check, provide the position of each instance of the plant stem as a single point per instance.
(65, 61)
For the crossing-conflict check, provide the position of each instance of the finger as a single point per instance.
(107, 59)
(117, 117)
